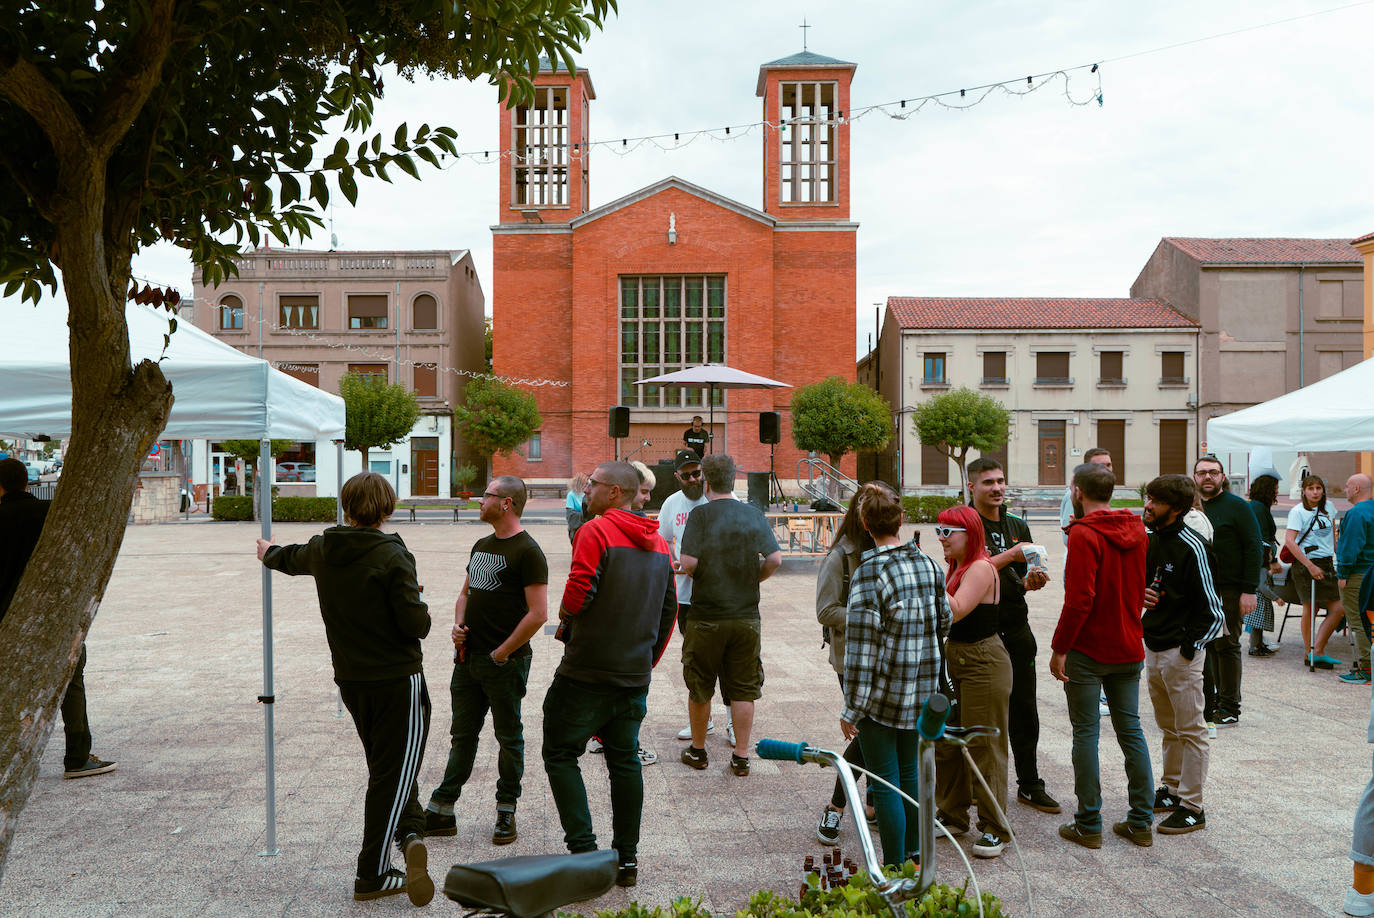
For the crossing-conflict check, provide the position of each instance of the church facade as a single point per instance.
(671, 276)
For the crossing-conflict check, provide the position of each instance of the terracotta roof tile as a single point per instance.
(1266, 251)
(1365, 238)
(1034, 312)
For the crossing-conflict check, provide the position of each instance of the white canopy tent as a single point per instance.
(1333, 415)
(220, 393)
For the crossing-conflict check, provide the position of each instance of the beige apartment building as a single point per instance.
(1075, 373)
(1274, 315)
(408, 317)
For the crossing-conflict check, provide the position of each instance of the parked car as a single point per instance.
(295, 471)
(33, 470)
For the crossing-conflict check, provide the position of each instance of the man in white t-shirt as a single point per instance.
(672, 520)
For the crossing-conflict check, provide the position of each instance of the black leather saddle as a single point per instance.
(532, 885)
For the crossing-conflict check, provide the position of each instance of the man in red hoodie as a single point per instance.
(1099, 648)
(615, 619)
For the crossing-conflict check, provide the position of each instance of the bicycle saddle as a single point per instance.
(532, 885)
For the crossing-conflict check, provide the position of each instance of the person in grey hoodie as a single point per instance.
(374, 620)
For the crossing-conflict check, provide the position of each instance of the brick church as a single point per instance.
(671, 276)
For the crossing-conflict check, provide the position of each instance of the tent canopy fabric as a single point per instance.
(220, 393)
(1333, 415)
(713, 375)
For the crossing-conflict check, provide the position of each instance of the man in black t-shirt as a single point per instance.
(696, 437)
(503, 603)
(728, 549)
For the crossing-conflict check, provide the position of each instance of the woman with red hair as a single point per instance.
(980, 675)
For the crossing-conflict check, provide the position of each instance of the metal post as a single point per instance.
(267, 698)
(338, 520)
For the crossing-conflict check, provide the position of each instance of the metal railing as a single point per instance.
(823, 481)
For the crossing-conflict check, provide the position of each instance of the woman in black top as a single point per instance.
(980, 674)
(1264, 493)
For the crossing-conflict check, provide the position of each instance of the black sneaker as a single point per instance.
(828, 830)
(1037, 798)
(955, 829)
(1166, 802)
(1228, 720)
(504, 833)
(440, 824)
(1141, 835)
(989, 845)
(739, 766)
(93, 766)
(1071, 832)
(419, 887)
(627, 874)
(1183, 820)
(694, 757)
(1262, 650)
(391, 883)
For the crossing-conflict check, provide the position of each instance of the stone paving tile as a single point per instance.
(176, 665)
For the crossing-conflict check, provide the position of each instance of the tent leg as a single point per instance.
(338, 520)
(267, 698)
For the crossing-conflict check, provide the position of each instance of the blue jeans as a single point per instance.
(891, 754)
(477, 686)
(574, 712)
(1120, 682)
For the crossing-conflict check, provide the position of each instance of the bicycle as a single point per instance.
(931, 727)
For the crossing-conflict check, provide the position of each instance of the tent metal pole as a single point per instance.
(268, 700)
(338, 520)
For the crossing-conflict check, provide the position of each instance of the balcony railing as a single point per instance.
(1112, 381)
(994, 381)
(1054, 380)
(1173, 381)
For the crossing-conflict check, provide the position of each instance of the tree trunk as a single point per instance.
(117, 412)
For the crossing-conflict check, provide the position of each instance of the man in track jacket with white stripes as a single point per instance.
(1183, 614)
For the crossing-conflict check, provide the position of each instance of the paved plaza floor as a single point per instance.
(176, 666)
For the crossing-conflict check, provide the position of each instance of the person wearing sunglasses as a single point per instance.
(980, 675)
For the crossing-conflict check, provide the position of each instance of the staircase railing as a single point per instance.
(823, 481)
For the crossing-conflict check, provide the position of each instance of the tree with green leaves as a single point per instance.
(250, 452)
(377, 413)
(496, 417)
(211, 126)
(835, 416)
(957, 421)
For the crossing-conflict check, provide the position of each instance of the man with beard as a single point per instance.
(504, 602)
(1236, 541)
(1182, 615)
(672, 521)
(615, 620)
(1005, 533)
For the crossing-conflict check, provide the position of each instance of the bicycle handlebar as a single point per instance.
(781, 750)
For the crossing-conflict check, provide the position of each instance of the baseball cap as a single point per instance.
(685, 457)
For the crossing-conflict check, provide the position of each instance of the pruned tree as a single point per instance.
(496, 417)
(835, 416)
(957, 421)
(377, 413)
(199, 123)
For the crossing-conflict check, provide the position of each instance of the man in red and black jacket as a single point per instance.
(616, 616)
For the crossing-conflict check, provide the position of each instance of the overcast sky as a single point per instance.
(1265, 133)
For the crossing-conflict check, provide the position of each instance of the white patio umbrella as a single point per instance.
(712, 376)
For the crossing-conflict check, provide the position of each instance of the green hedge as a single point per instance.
(284, 509)
(925, 508)
(855, 900)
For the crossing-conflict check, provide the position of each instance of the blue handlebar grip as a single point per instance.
(934, 713)
(779, 749)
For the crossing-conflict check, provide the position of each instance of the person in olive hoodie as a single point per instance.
(374, 620)
(1182, 616)
(1098, 649)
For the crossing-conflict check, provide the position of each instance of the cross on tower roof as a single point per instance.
(804, 27)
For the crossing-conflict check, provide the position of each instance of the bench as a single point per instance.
(438, 503)
(559, 491)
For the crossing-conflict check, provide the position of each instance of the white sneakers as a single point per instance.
(1359, 904)
(685, 734)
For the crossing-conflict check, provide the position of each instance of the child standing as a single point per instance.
(374, 619)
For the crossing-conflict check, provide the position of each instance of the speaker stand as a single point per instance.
(774, 488)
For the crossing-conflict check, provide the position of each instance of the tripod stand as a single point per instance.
(775, 495)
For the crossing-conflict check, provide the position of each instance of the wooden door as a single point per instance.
(424, 454)
(1173, 447)
(1051, 452)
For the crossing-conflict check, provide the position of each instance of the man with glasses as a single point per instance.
(615, 620)
(1236, 542)
(503, 603)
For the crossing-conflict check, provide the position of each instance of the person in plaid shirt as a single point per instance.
(896, 624)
